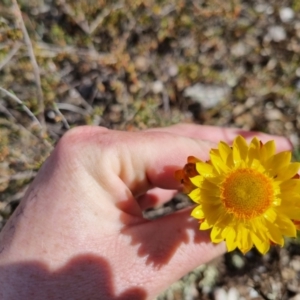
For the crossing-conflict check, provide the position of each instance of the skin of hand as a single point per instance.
(79, 232)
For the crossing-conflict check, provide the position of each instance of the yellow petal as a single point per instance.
(229, 234)
(195, 195)
(262, 245)
(277, 201)
(230, 245)
(229, 161)
(290, 197)
(209, 185)
(215, 192)
(197, 180)
(291, 212)
(268, 150)
(204, 169)
(289, 172)
(254, 150)
(208, 199)
(218, 163)
(216, 235)
(198, 213)
(213, 213)
(240, 149)
(204, 225)
(278, 162)
(287, 227)
(270, 215)
(224, 151)
(243, 239)
(256, 164)
(224, 220)
(291, 184)
(214, 151)
(216, 180)
(275, 235)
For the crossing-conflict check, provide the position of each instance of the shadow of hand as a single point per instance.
(86, 276)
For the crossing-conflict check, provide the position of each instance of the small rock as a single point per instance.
(286, 14)
(273, 115)
(220, 294)
(261, 8)
(173, 70)
(253, 293)
(190, 292)
(294, 140)
(142, 63)
(264, 8)
(157, 87)
(239, 49)
(237, 110)
(233, 294)
(207, 95)
(238, 261)
(295, 265)
(276, 34)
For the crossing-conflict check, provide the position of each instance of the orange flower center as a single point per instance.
(247, 193)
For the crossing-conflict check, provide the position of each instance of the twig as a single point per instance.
(5, 111)
(26, 109)
(166, 102)
(63, 119)
(71, 107)
(67, 9)
(18, 196)
(53, 50)
(19, 176)
(18, 125)
(10, 55)
(100, 18)
(35, 66)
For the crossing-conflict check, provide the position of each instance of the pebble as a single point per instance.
(233, 294)
(173, 70)
(286, 14)
(239, 49)
(157, 87)
(276, 34)
(295, 265)
(253, 293)
(264, 8)
(207, 95)
(294, 140)
(273, 114)
(142, 63)
(238, 261)
(221, 294)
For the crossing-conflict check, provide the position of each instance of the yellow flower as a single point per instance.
(246, 194)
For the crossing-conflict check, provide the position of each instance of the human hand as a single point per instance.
(79, 232)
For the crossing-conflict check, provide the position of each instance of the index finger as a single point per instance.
(147, 159)
(216, 134)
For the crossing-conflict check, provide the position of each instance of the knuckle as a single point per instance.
(80, 141)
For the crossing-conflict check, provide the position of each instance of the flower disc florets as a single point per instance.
(246, 194)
